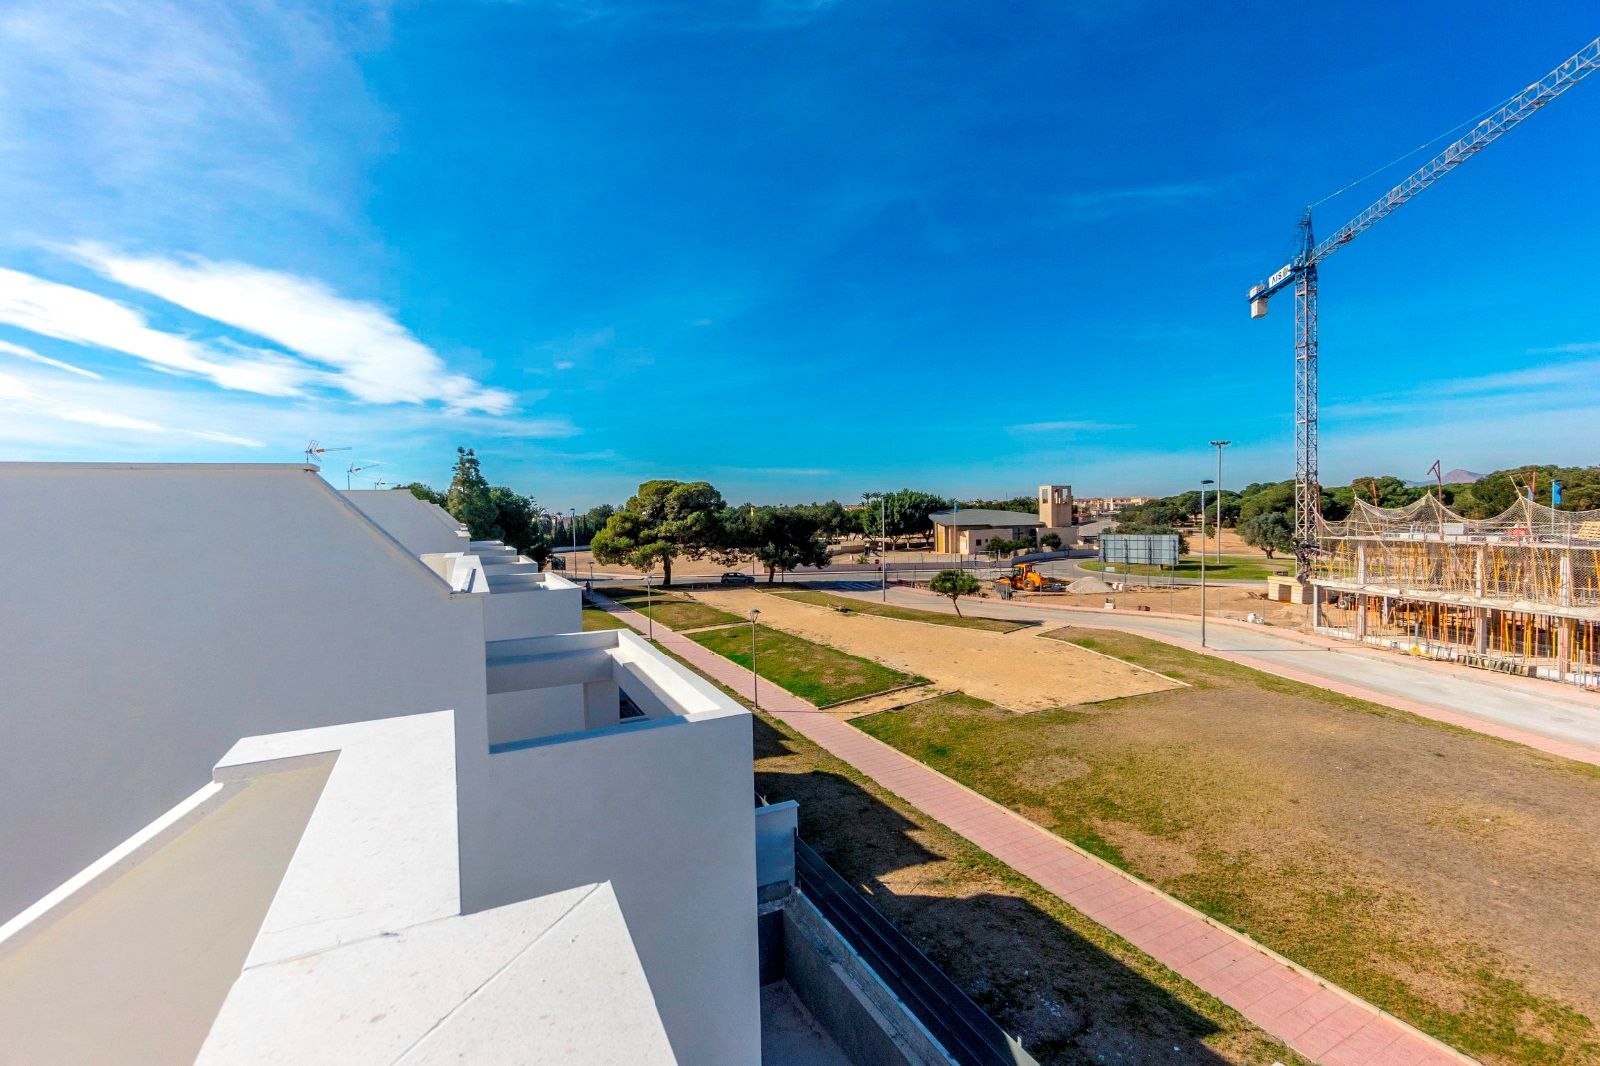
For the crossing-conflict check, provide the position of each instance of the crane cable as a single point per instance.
(1474, 120)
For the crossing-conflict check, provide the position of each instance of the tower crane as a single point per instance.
(1301, 272)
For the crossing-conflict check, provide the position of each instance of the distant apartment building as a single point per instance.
(1106, 506)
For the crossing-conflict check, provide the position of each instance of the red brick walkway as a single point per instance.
(1319, 1021)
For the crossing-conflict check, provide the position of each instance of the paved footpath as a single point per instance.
(1319, 1021)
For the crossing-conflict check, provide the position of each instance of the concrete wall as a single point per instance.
(662, 810)
(415, 523)
(534, 606)
(166, 611)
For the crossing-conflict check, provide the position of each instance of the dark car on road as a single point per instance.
(734, 577)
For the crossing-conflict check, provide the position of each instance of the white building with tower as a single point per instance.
(968, 531)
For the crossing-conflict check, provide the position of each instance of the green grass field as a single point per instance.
(813, 672)
(594, 618)
(1232, 568)
(909, 614)
(672, 609)
(1369, 845)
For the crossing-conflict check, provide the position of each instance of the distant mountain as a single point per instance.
(1457, 476)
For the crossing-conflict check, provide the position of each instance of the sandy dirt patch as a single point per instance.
(1229, 601)
(1018, 670)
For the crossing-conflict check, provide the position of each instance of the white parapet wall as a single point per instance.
(660, 807)
(169, 610)
(423, 527)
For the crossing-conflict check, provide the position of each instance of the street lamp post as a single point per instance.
(1218, 445)
(755, 678)
(574, 511)
(649, 613)
(883, 537)
(1203, 485)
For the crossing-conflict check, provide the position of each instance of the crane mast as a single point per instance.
(1301, 272)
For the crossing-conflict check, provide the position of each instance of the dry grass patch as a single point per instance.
(817, 674)
(1016, 670)
(1443, 875)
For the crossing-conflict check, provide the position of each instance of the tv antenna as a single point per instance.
(315, 451)
(349, 475)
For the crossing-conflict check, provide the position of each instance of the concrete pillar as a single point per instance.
(1565, 592)
(1361, 562)
(1316, 606)
(1563, 646)
(1480, 568)
(1361, 618)
(1480, 617)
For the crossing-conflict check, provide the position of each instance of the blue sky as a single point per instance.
(801, 249)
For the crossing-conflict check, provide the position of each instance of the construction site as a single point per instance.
(1516, 592)
(1519, 592)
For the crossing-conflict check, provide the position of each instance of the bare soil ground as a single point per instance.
(1018, 670)
(1221, 602)
(1443, 875)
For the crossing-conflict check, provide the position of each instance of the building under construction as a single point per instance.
(1519, 592)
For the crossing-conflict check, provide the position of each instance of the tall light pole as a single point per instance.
(755, 678)
(883, 536)
(1218, 445)
(649, 606)
(574, 512)
(1203, 485)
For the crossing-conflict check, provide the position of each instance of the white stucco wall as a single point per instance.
(535, 606)
(166, 611)
(415, 523)
(661, 810)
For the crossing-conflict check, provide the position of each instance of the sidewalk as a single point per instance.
(1319, 1021)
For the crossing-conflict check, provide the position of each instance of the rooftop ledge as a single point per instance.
(662, 691)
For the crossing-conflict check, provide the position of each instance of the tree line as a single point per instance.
(1263, 512)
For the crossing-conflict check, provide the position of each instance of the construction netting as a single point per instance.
(1530, 555)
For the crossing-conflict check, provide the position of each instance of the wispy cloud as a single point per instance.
(373, 357)
(1069, 426)
(1543, 387)
(44, 360)
(1579, 348)
(54, 310)
(180, 114)
(1101, 203)
(31, 404)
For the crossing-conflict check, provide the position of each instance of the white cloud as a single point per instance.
(1581, 347)
(108, 420)
(374, 358)
(33, 405)
(44, 360)
(66, 313)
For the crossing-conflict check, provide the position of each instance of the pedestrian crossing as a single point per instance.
(851, 586)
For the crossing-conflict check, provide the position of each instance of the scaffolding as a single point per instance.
(1519, 591)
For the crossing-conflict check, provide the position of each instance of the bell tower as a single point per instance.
(1055, 506)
